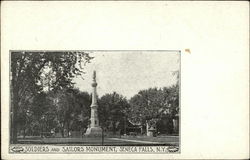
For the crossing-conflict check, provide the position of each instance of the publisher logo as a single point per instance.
(173, 149)
(17, 149)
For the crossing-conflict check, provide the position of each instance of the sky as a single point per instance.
(128, 72)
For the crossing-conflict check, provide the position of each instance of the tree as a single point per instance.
(72, 110)
(171, 112)
(35, 72)
(81, 110)
(152, 105)
(112, 109)
(42, 113)
(145, 106)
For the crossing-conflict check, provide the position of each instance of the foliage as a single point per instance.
(72, 110)
(43, 98)
(35, 72)
(112, 111)
(151, 105)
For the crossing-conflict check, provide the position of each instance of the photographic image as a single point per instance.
(95, 98)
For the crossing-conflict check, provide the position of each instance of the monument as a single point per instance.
(94, 129)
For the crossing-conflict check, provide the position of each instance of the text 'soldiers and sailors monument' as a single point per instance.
(94, 128)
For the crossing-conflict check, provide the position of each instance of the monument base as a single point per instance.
(94, 131)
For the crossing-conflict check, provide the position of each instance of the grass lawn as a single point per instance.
(138, 140)
(155, 139)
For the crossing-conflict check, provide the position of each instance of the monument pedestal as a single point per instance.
(94, 131)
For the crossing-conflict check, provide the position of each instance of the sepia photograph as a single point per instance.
(95, 98)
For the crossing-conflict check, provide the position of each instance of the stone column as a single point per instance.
(94, 114)
(94, 128)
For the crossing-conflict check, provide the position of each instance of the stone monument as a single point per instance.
(94, 129)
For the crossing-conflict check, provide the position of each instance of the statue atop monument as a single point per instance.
(94, 129)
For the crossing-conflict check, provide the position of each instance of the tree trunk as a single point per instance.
(24, 134)
(14, 117)
(62, 129)
(41, 129)
(62, 132)
(114, 128)
(68, 129)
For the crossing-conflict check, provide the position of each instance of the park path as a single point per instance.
(129, 140)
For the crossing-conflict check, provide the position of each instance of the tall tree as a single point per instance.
(151, 105)
(146, 105)
(34, 72)
(112, 109)
(72, 110)
(43, 113)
